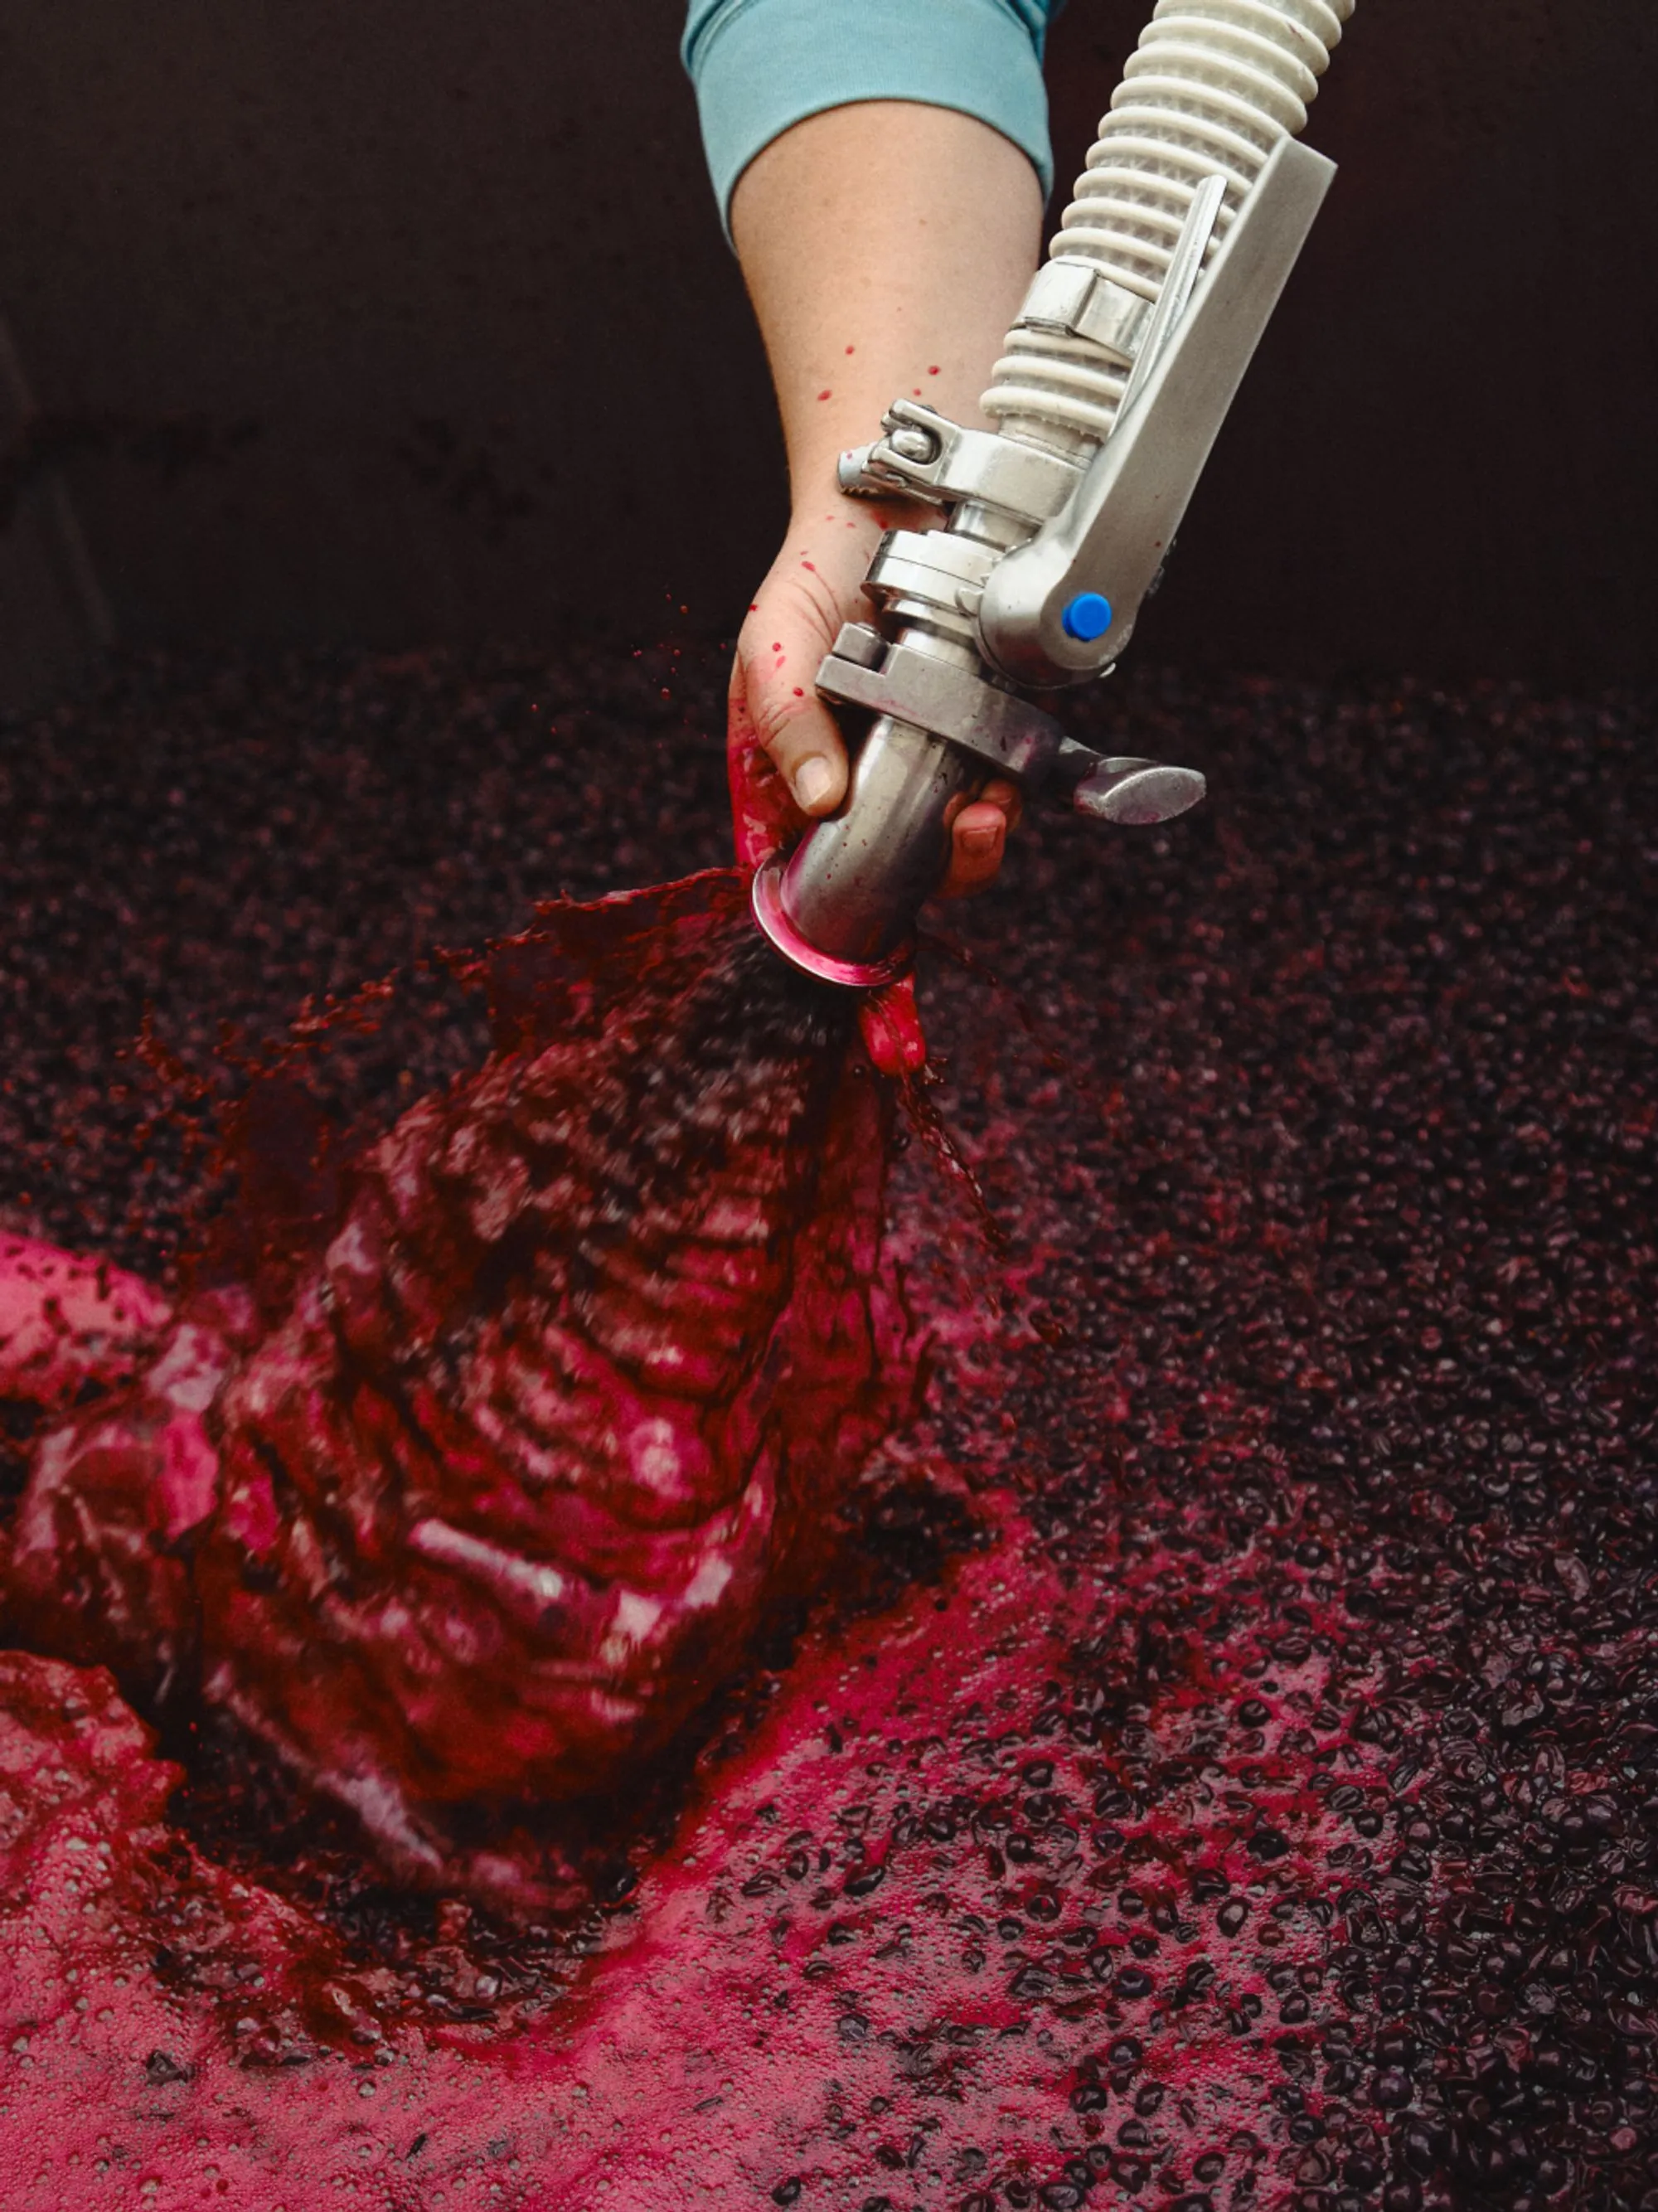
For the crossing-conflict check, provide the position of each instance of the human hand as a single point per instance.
(886, 245)
(786, 757)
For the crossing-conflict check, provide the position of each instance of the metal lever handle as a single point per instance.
(1185, 266)
(1138, 793)
(1111, 536)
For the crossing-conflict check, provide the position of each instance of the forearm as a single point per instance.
(886, 248)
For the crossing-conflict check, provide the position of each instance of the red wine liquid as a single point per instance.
(1234, 1782)
(557, 1409)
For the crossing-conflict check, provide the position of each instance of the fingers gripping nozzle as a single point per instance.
(843, 905)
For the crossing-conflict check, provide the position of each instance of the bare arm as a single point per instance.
(886, 248)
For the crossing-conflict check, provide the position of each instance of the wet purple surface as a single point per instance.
(1294, 1842)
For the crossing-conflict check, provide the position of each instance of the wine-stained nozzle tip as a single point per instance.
(853, 974)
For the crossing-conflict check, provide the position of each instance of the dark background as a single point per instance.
(414, 321)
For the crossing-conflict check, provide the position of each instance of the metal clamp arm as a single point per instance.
(1113, 532)
(1002, 730)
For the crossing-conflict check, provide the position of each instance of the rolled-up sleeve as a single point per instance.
(760, 66)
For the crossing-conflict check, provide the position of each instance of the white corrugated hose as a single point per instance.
(1212, 87)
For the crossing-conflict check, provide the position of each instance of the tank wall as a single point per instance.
(410, 321)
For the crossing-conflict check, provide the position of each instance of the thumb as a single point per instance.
(798, 733)
(792, 624)
(763, 816)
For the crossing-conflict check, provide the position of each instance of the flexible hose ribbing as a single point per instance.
(1212, 87)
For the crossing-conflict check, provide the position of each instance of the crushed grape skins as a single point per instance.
(1239, 1788)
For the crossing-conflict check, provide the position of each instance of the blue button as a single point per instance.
(1088, 616)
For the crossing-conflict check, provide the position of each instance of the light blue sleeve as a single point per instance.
(761, 66)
